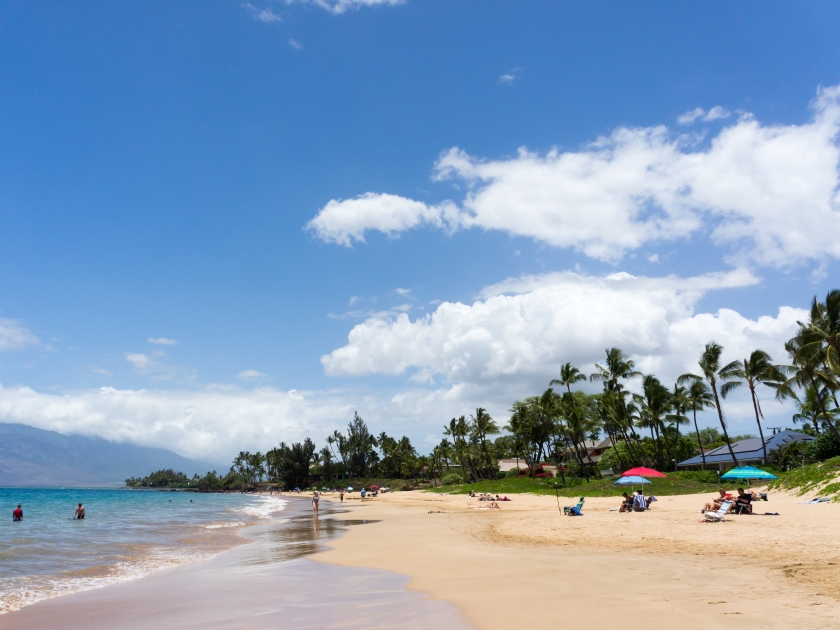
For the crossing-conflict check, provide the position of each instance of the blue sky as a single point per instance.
(160, 164)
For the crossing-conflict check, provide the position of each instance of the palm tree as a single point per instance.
(806, 373)
(569, 375)
(709, 363)
(618, 366)
(808, 410)
(483, 425)
(654, 403)
(757, 369)
(679, 405)
(699, 398)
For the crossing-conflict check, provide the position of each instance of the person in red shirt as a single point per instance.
(17, 515)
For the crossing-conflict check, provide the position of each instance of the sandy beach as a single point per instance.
(527, 564)
(419, 560)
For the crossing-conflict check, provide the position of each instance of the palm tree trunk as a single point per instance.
(699, 443)
(758, 422)
(722, 423)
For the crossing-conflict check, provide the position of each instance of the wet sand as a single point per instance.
(527, 564)
(270, 583)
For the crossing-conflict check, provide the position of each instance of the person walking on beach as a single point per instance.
(341, 496)
(17, 514)
(80, 512)
(315, 500)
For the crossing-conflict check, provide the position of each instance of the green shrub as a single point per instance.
(824, 447)
(501, 474)
(513, 472)
(451, 479)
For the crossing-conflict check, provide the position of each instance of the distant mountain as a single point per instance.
(34, 457)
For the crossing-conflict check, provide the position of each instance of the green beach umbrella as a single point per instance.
(747, 472)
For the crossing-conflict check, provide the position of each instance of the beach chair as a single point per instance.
(717, 517)
(574, 510)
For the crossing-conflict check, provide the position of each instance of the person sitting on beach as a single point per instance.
(639, 502)
(80, 512)
(472, 493)
(505, 498)
(17, 514)
(627, 504)
(714, 504)
(744, 499)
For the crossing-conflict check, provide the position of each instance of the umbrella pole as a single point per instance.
(556, 494)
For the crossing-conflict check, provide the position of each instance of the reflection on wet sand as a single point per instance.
(301, 536)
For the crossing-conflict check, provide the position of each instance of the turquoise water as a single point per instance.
(125, 534)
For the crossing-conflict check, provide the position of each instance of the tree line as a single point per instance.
(654, 426)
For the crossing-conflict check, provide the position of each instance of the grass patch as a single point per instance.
(822, 477)
(674, 483)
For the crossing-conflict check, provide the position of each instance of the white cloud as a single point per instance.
(689, 117)
(654, 258)
(345, 221)
(338, 7)
(163, 341)
(508, 78)
(142, 363)
(295, 44)
(521, 329)
(101, 371)
(209, 424)
(251, 375)
(266, 16)
(15, 336)
(158, 370)
(716, 113)
(771, 192)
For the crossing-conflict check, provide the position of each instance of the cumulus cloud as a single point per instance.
(15, 336)
(266, 16)
(345, 221)
(338, 7)
(162, 341)
(769, 192)
(206, 424)
(520, 330)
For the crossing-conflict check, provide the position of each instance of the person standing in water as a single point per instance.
(17, 514)
(80, 512)
(315, 501)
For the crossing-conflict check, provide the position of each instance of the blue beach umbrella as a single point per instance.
(747, 472)
(630, 481)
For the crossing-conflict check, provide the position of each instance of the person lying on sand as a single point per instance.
(493, 506)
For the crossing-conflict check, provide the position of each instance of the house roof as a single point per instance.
(748, 450)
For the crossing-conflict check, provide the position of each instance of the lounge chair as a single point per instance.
(574, 510)
(717, 517)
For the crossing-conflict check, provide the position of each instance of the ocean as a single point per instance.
(125, 534)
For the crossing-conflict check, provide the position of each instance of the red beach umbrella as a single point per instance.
(641, 471)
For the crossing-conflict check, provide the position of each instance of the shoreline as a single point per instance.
(187, 544)
(270, 577)
(528, 564)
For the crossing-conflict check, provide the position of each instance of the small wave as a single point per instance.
(263, 507)
(15, 593)
(223, 525)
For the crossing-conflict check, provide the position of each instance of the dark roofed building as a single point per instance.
(747, 451)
